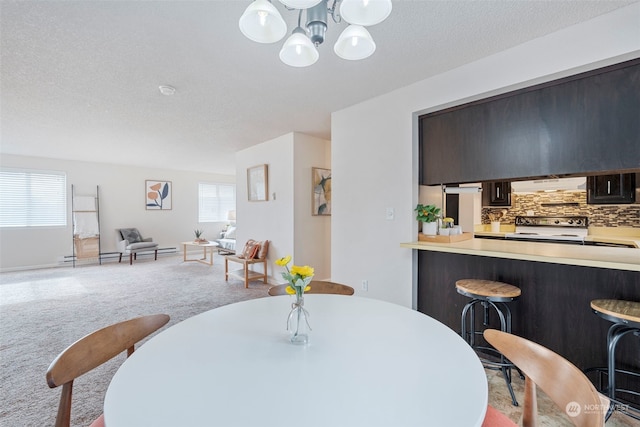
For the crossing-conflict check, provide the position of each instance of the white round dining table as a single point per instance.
(368, 363)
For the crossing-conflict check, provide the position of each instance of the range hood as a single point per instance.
(550, 184)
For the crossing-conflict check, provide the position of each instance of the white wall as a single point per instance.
(285, 219)
(312, 233)
(374, 145)
(122, 204)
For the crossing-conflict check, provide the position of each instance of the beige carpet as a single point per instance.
(43, 311)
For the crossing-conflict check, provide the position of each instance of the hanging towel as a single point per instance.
(85, 224)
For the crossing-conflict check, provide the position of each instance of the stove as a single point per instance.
(556, 229)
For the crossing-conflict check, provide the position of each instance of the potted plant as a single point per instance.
(428, 216)
(198, 234)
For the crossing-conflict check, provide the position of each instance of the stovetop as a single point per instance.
(571, 229)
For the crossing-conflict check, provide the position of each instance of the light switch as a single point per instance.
(390, 214)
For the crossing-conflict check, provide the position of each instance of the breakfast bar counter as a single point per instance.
(557, 253)
(558, 283)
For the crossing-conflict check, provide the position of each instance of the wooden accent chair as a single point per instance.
(317, 287)
(92, 351)
(563, 382)
(253, 253)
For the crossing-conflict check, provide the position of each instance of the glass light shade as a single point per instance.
(262, 23)
(300, 4)
(298, 51)
(365, 12)
(354, 43)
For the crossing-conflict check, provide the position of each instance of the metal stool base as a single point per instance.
(469, 334)
(617, 403)
(617, 331)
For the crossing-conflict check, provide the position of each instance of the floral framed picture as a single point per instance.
(321, 191)
(257, 183)
(158, 195)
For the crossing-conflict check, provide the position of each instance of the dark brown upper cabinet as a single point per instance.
(579, 125)
(611, 189)
(496, 193)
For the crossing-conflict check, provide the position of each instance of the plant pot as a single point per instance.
(495, 226)
(430, 228)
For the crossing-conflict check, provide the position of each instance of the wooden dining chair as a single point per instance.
(317, 287)
(562, 381)
(92, 351)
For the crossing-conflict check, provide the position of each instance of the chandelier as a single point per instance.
(262, 23)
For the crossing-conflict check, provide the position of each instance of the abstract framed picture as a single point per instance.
(158, 195)
(321, 194)
(257, 183)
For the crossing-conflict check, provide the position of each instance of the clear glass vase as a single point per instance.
(298, 322)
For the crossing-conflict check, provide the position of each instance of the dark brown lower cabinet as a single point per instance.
(554, 307)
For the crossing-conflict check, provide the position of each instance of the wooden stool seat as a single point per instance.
(487, 289)
(618, 311)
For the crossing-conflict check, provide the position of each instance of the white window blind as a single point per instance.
(32, 198)
(216, 201)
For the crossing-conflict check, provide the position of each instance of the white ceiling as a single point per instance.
(79, 79)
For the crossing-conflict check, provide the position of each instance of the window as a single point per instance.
(32, 198)
(216, 201)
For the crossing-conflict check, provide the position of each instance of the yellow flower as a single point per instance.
(298, 278)
(283, 261)
(305, 271)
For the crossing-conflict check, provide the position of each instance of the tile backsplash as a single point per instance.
(542, 204)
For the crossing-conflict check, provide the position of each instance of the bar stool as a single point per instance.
(625, 316)
(494, 295)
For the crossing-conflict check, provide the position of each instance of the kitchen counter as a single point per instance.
(618, 240)
(624, 235)
(615, 235)
(556, 253)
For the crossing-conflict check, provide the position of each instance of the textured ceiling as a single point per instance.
(79, 79)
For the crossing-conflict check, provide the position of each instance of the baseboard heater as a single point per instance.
(105, 256)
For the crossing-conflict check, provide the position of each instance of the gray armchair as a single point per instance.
(131, 242)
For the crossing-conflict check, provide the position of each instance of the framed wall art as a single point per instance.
(158, 195)
(321, 185)
(257, 183)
